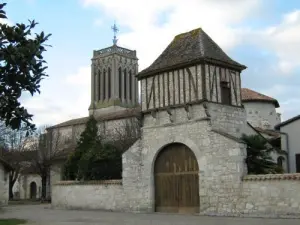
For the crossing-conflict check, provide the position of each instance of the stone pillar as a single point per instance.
(133, 88)
(136, 83)
(96, 86)
(92, 83)
(106, 85)
(113, 79)
(127, 88)
(122, 83)
(101, 85)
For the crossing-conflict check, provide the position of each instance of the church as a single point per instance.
(189, 157)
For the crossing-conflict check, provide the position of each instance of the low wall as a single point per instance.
(258, 195)
(106, 195)
(273, 195)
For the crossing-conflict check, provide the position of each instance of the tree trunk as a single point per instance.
(11, 185)
(44, 187)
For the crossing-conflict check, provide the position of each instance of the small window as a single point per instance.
(226, 93)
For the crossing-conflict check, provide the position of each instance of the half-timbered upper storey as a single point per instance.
(193, 68)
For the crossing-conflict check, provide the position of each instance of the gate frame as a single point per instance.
(158, 148)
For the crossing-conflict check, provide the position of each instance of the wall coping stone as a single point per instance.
(264, 177)
(91, 182)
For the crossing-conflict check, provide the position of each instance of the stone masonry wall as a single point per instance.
(105, 195)
(227, 118)
(270, 195)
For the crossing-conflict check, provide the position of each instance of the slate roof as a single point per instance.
(127, 113)
(287, 122)
(188, 48)
(249, 95)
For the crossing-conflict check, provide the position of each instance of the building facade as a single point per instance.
(4, 181)
(290, 142)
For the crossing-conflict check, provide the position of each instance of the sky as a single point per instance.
(264, 35)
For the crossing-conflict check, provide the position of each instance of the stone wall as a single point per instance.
(256, 195)
(105, 195)
(271, 195)
(262, 114)
(21, 187)
(3, 185)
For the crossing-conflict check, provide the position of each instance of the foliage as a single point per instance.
(259, 160)
(93, 159)
(12, 221)
(22, 69)
(88, 140)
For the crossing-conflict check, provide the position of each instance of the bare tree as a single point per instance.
(14, 146)
(127, 134)
(49, 146)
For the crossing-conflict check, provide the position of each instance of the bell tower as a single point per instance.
(114, 85)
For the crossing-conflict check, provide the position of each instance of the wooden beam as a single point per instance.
(203, 82)
(192, 83)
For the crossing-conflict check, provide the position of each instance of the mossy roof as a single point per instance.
(189, 48)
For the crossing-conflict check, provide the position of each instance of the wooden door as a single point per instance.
(176, 175)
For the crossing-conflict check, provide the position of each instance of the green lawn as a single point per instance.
(11, 221)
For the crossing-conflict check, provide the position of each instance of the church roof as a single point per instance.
(188, 48)
(249, 95)
(104, 117)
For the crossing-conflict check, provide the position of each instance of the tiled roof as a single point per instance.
(249, 95)
(287, 122)
(188, 48)
(91, 182)
(109, 116)
(273, 133)
(290, 176)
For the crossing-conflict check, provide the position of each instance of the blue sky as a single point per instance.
(262, 34)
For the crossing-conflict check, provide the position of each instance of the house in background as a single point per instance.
(262, 119)
(4, 181)
(290, 141)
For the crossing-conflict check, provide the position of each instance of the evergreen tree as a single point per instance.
(259, 160)
(89, 139)
(22, 68)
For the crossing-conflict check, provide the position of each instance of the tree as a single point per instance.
(22, 68)
(89, 139)
(49, 146)
(259, 160)
(14, 147)
(99, 157)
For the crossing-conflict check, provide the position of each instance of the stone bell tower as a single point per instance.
(113, 83)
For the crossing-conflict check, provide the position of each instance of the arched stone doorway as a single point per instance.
(176, 180)
(33, 190)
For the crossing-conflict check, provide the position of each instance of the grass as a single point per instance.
(12, 221)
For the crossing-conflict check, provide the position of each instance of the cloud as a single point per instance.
(69, 98)
(288, 97)
(98, 22)
(284, 40)
(153, 24)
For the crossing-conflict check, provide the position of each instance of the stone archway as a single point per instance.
(33, 190)
(176, 180)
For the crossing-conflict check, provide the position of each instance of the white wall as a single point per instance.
(293, 130)
(21, 188)
(261, 113)
(4, 180)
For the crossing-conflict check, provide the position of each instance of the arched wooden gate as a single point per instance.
(176, 180)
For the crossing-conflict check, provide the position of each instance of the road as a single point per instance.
(44, 215)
